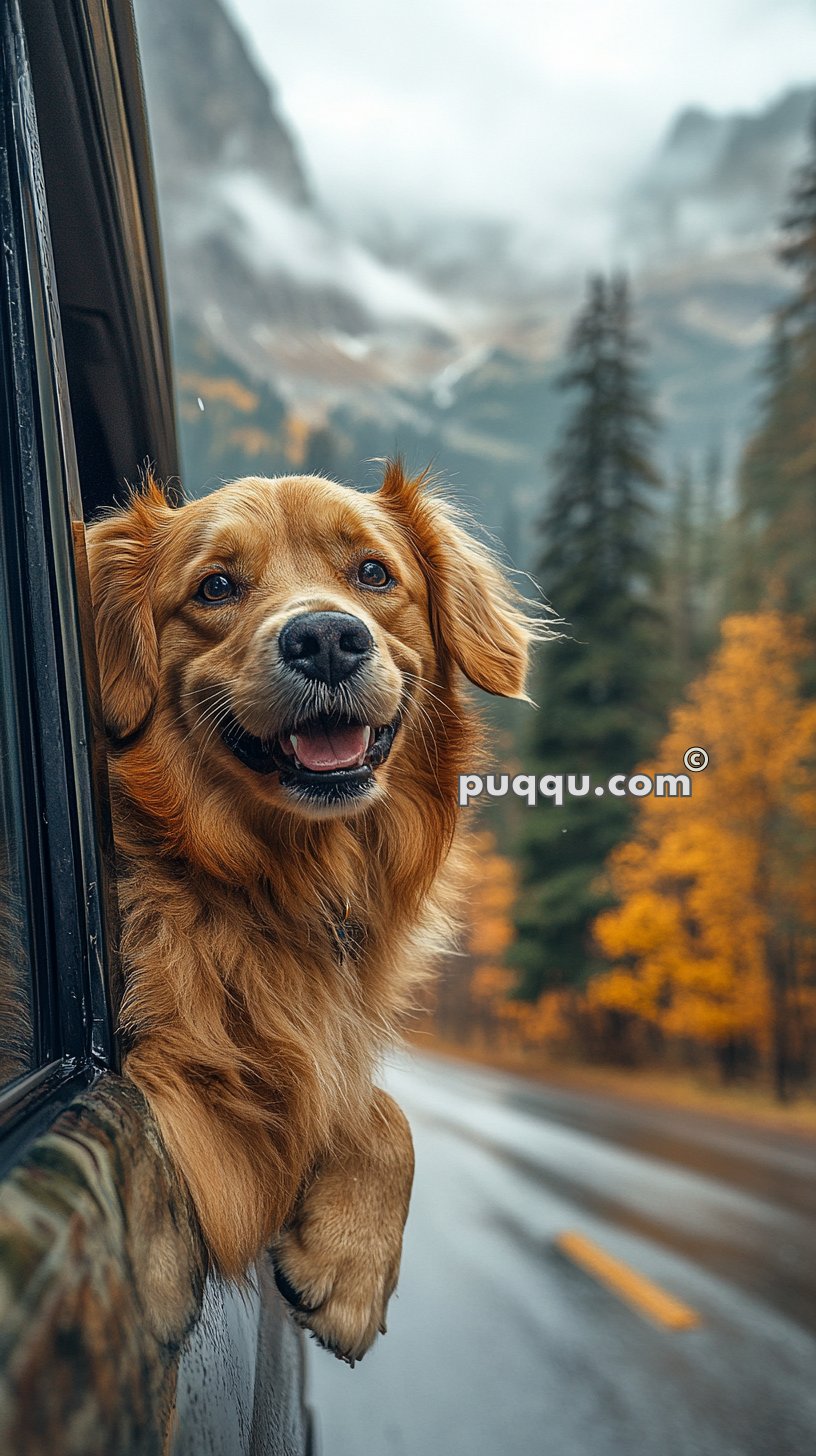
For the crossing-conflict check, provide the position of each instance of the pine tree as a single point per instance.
(600, 690)
(681, 574)
(712, 549)
(798, 248)
(777, 483)
(694, 565)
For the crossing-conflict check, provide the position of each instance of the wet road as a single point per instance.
(500, 1345)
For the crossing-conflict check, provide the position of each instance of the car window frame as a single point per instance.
(66, 782)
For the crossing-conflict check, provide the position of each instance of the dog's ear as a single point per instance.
(478, 618)
(120, 559)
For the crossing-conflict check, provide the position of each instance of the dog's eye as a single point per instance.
(217, 588)
(373, 573)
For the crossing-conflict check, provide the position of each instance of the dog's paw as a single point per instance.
(337, 1263)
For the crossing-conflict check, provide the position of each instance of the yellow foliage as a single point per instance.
(714, 890)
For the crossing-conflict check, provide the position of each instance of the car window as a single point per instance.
(54, 1008)
(17, 1012)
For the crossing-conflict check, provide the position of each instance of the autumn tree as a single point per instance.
(471, 992)
(491, 930)
(714, 934)
(600, 688)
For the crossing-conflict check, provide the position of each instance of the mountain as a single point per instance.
(210, 108)
(718, 179)
(301, 346)
(251, 258)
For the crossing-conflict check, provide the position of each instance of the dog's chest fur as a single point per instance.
(274, 1018)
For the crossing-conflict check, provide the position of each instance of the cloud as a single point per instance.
(538, 113)
(276, 237)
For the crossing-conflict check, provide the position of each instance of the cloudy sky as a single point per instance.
(515, 109)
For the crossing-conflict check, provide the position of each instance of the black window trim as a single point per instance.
(68, 823)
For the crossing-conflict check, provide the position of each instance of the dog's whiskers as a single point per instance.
(426, 685)
(433, 757)
(214, 708)
(216, 712)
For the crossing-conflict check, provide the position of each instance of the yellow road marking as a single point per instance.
(638, 1291)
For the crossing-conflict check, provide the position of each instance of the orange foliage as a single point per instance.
(495, 886)
(491, 929)
(298, 434)
(491, 935)
(714, 937)
(219, 391)
(251, 440)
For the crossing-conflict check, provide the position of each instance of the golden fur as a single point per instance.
(270, 951)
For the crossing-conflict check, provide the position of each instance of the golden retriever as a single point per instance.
(280, 666)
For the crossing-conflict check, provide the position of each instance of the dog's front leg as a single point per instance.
(337, 1260)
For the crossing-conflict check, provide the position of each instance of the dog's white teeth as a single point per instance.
(293, 738)
(370, 739)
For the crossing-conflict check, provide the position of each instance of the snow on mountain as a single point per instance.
(444, 337)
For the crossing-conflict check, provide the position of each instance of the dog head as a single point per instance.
(294, 643)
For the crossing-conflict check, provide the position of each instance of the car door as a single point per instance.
(113, 1339)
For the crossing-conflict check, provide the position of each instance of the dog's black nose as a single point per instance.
(325, 646)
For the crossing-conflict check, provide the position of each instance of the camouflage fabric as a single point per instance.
(101, 1278)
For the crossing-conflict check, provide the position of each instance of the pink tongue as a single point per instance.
(322, 749)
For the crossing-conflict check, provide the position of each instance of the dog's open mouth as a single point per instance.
(326, 759)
